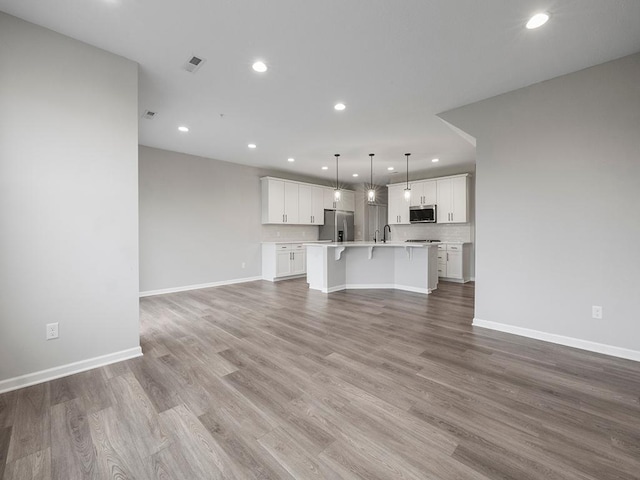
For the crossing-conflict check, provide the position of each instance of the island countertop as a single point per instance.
(373, 244)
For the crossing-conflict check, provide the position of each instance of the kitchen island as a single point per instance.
(356, 265)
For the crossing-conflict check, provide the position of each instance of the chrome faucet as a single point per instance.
(375, 235)
(384, 234)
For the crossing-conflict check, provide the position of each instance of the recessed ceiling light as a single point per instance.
(183, 129)
(325, 168)
(291, 159)
(252, 145)
(435, 160)
(355, 175)
(389, 168)
(259, 67)
(339, 106)
(537, 20)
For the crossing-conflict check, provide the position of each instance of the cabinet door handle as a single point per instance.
(447, 256)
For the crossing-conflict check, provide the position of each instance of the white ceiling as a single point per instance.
(395, 64)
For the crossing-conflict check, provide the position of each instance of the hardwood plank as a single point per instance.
(72, 452)
(299, 463)
(31, 425)
(91, 386)
(151, 376)
(7, 408)
(137, 418)
(247, 457)
(36, 466)
(5, 438)
(112, 444)
(197, 444)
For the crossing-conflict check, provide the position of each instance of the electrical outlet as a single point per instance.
(596, 312)
(277, 234)
(52, 331)
(244, 265)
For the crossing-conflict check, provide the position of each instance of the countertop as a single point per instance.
(374, 244)
(279, 242)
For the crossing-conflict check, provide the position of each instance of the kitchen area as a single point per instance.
(413, 234)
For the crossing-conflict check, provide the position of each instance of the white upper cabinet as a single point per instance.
(310, 205)
(279, 201)
(398, 208)
(317, 205)
(329, 199)
(273, 207)
(453, 199)
(423, 193)
(289, 202)
(347, 200)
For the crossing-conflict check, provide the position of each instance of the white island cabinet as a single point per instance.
(356, 265)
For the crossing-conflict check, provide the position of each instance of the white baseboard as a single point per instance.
(279, 279)
(366, 286)
(334, 289)
(162, 291)
(561, 340)
(68, 369)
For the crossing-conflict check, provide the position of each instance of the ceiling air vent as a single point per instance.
(193, 64)
(149, 115)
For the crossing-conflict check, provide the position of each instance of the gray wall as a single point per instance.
(558, 204)
(68, 200)
(200, 220)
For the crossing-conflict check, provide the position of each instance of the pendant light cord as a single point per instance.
(371, 156)
(337, 155)
(407, 154)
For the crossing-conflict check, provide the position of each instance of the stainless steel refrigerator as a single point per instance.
(338, 226)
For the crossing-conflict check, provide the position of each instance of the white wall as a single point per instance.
(200, 220)
(558, 206)
(68, 201)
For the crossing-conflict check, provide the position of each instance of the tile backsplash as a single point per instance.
(444, 232)
(275, 233)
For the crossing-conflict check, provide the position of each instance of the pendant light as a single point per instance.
(371, 194)
(407, 191)
(336, 192)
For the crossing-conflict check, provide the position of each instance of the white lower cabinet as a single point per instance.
(281, 260)
(454, 261)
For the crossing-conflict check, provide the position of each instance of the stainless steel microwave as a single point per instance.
(422, 214)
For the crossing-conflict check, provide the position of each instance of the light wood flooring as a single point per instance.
(274, 381)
